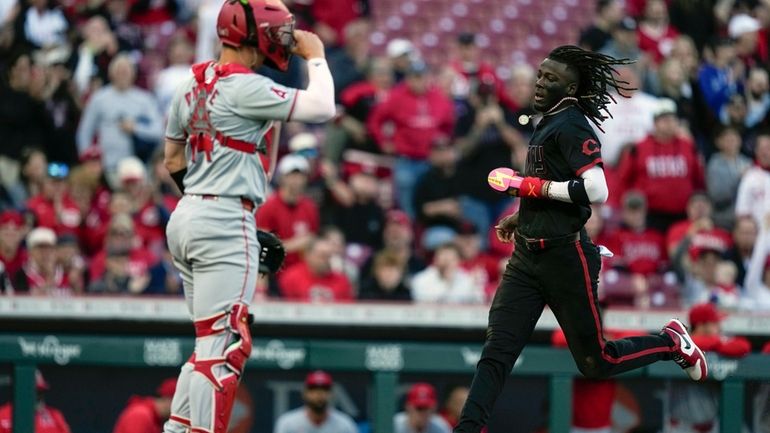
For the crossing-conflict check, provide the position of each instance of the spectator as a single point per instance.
(12, 231)
(317, 414)
(437, 197)
(149, 13)
(484, 137)
(332, 17)
(624, 43)
(699, 220)
(150, 218)
(745, 234)
(656, 35)
(313, 279)
(44, 24)
(665, 167)
(609, 13)
(387, 282)
(420, 114)
(118, 277)
(632, 121)
(445, 281)
(638, 249)
(521, 93)
(180, 56)
(350, 61)
(122, 118)
(54, 207)
(94, 55)
(146, 414)
(121, 241)
(355, 208)
(419, 415)
(453, 404)
(62, 103)
(69, 258)
(699, 271)
(29, 180)
(744, 30)
(288, 212)
(24, 121)
(673, 83)
(47, 418)
(483, 267)
(723, 175)
(757, 97)
(717, 80)
(41, 274)
(398, 239)
(754, 190)
(359, 100)
(706, 332)
(343, 256)
(472, 70)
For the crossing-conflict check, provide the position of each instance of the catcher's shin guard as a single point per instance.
(234, 357)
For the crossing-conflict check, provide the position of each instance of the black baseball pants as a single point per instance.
(565, 278)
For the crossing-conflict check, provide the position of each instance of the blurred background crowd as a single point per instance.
(390, 201)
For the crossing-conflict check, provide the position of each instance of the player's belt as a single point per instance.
(247, 204)
(234, 143)
(540, 244)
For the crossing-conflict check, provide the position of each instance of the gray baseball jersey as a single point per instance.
(240, 107)
(296, 421)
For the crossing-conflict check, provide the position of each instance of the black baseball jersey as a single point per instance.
(561, 149)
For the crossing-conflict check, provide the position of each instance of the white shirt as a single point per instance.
(167, 82)
(460, 288)
(47, 28)
(436, 424)
(631, 121)
(296, 421)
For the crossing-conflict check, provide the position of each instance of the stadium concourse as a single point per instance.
(387, 206)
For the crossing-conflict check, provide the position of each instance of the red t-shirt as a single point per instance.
(68, 219)
(298, 283)
(679, 230)
(149, 226)
(13, 264)
(47, 420)
(139, 417)
(287, 221)
(657, 48)
(639, 252)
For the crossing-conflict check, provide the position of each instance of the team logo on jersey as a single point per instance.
(590, 146)
(281, 93)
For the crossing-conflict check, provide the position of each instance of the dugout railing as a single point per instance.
(383, 361)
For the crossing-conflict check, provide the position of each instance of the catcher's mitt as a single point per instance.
(271, 252)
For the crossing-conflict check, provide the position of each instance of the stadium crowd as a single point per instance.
(389, 201)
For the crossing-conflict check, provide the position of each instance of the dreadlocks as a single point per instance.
(596, 74)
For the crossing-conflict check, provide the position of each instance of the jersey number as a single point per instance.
(535, 161)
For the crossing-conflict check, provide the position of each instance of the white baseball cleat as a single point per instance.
(685, 352)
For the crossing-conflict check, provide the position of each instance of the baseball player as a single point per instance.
(555, 262)
(216, 124)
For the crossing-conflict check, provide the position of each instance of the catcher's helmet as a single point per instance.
(257, 23)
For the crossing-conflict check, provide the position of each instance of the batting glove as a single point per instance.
(531, 187)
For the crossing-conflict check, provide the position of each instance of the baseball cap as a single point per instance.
(11, 217)
(58, 170)
(628, 24)
(303, 141)
(634, 200)
(705, 313)
(291, 163)
(40, 383)
(166, 388)
(422, 395)
(41, 236)
(663, 107)
(466, 38)
(398, 217)
(399, 47)
(318, 379)
(130, 169)
(741, 24)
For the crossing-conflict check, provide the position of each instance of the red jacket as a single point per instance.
(139, 416)
(47, 420)
(418, 120)
(66, 220)
(667, 173)
(287, 220)
(639, 252)
(657, 48)
(298, 283)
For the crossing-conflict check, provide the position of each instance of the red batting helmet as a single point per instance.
(268, 26)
